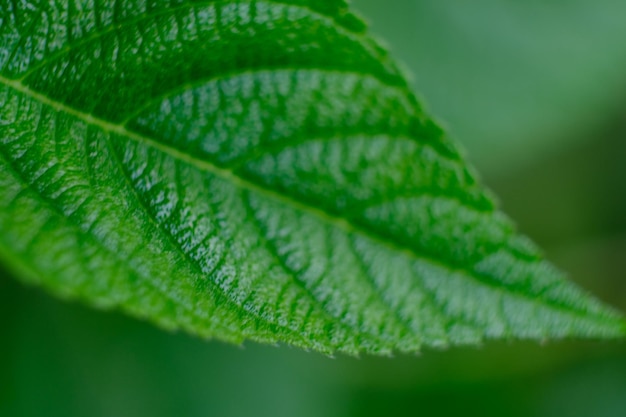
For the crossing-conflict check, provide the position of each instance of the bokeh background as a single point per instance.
(535, 90)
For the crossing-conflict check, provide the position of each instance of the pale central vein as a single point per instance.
(225, 174)
(231, 177)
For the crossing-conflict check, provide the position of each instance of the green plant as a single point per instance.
(255, 170)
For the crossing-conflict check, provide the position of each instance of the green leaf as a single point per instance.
(254, 170)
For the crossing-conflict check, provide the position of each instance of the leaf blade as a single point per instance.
(249, 205)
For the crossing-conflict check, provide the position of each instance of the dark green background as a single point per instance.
(536, 91)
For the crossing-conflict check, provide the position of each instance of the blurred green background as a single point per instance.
(536, 92)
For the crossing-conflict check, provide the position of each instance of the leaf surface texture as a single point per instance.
(254, 170)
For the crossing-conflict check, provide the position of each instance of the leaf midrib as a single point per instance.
(242, 183)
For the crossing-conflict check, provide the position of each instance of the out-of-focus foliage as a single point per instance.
(64, 360)
(512, 79)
